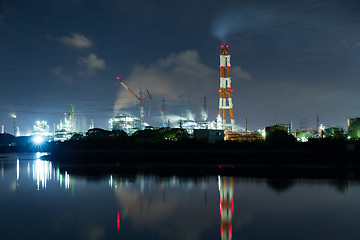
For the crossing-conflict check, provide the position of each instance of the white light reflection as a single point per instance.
(219, 182)
(67, 180)
(41, 173)
(17, 170)
(111, 181)
(28, 169)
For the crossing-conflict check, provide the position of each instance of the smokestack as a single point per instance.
(225, 100)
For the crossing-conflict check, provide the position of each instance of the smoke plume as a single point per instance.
(181, 73)
(168, 77)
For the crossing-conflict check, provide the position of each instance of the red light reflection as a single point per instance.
(118, 221)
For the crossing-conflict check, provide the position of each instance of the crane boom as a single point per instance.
(140, 99)
(127, 88)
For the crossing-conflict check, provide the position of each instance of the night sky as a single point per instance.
(290, 61)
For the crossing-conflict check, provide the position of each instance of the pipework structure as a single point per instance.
(225, 101)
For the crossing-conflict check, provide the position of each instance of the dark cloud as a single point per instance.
(289, 59)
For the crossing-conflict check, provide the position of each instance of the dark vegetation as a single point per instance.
(174, 145)
(168, 151)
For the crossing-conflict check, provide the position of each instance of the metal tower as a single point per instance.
(225, 101)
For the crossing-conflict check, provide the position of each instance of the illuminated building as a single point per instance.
(225, 100)
(226, 189)
(66, 128)
(69, 123)
(41, 128)
(305, 135)
(125, 122)
(243, 136)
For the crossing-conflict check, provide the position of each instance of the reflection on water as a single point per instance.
(226, 189)
(138, 206)
(41, 172)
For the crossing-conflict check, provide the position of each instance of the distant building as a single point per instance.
(334, 133)
(69, 123)
(191, 125)
(125, 122)
(65, 129)
(243, 136)
(277, 127)
(354, 128)
(209, 135)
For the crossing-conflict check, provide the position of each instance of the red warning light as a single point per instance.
(222, 46)
(227, 46)
(117, 78)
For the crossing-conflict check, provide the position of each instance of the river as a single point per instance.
(40, 200)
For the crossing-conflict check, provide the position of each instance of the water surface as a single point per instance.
(40, 200)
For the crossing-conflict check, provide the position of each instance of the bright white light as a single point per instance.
(17, 170)
(38, 139)
(111, 181)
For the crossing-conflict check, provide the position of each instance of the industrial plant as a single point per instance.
(223, 128)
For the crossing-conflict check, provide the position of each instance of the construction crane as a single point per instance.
(140, 99)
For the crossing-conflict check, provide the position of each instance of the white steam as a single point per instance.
(168, 77)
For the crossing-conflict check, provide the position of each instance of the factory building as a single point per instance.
(125, 122)
(66, 128)
(243, 136)
(69, 123)
(354, 128)
(41, 128)
(334, 133)
(209, 135)
(277, 127)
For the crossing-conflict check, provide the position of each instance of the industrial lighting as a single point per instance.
(37, 139)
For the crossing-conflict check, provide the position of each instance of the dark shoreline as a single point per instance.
(320, 159)
(258, 160)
